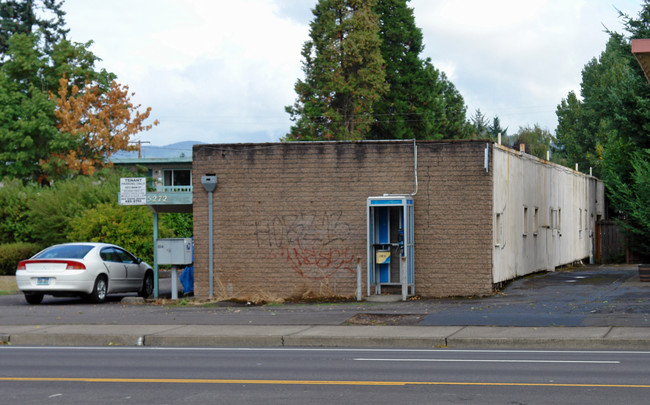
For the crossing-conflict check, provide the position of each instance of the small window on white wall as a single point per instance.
(536, 221)
(551, 219)
(555, 220)
(525, 230)
(579, 222)
(498, 225)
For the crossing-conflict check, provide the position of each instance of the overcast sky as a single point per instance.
(222, 71)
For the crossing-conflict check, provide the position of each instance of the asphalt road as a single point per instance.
(319, 376)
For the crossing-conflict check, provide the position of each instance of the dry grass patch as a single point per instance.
(8, 285)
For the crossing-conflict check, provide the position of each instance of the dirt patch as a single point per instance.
(386, 319)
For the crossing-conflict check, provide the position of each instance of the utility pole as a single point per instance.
(139, 145)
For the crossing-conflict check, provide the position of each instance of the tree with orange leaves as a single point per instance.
(94, 124)
(60, 114)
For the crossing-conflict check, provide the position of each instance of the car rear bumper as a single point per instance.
(69, 281)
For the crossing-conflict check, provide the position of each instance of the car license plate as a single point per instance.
(43, 281)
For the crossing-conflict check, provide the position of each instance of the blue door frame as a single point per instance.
(381, 249)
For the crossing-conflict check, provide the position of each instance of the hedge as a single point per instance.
(12, 253)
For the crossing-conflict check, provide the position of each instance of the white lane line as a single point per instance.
(492, 361)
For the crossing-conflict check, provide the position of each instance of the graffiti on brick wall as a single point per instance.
(314, 246)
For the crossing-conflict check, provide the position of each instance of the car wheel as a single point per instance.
(99, 292)
(33, 298)
(147, 285)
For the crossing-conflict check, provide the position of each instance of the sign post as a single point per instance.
(133, 191)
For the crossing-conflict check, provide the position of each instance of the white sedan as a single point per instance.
(89, 269)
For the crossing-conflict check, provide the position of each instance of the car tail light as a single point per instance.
(69, 264)
(75, 266)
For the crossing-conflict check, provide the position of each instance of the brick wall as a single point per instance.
(453, 220)
(290, 218)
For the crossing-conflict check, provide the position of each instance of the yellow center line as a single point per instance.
(307, 382)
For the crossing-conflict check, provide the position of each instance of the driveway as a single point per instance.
(584, 296)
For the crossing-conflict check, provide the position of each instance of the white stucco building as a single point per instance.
(544, 214)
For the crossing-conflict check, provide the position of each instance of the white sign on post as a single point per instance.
(133, 191)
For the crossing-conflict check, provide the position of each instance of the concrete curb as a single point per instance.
(372, 336)
(423, 337)
(224, 336)
(594, 338)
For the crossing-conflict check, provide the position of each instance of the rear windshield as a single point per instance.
(65, 252)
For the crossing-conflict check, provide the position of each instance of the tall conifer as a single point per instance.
(32, 16)
(421, 103)
(344, 73)
(608, 129)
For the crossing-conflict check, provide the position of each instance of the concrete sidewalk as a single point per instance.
(422, 337)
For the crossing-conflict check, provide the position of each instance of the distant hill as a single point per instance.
(174, 150)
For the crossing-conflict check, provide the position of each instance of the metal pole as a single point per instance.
(174, 283)
(358, 279)
(155, 254)
(209, 182)
(403, 273)
(210, 247)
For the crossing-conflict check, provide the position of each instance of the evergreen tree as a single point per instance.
(479, 125)
(44, 17)
(609, 129)
(575, 143)
(344, 75)
(421, 103)
(495, 129)
(626, 153)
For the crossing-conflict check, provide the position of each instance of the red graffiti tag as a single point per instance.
(317, 264)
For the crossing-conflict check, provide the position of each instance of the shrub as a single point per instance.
(182, 224)
(128, 226)
(84, 208)
(53, 209)
(12, 253)
(630, 197)
(14, 205)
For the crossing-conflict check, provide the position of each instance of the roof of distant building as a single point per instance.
(149, 161)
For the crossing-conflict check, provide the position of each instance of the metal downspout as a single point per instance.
(156, 277)
(210, 248)
(415, 166)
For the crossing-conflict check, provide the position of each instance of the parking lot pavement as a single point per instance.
(589, 306)
(584, 296)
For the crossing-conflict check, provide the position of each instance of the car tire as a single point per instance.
(33, 298)
(147, 285)
(100, 290)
